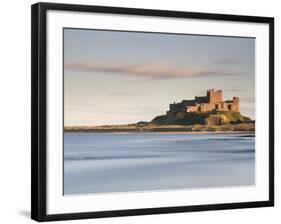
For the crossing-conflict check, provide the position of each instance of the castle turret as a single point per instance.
(236, 104)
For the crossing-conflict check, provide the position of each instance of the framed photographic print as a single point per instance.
(140, 111)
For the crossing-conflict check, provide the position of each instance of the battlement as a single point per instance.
(213, 101)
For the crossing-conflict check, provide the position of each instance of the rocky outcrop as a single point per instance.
(216, 119)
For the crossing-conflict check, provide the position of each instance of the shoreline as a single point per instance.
(162, 132)
(241, 128)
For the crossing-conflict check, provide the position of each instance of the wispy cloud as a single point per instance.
(153, 70)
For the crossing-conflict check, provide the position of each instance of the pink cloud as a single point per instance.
(153, 70)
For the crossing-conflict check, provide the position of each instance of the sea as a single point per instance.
(96, 163)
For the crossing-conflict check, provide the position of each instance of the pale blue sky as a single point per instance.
(113, 77)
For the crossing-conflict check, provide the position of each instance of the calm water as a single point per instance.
(121, 162)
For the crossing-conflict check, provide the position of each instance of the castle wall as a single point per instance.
(174, 107)
(201, 99)
(188, 103)
(225, 106)
(180, 106)
(192, 109)
(207, 107)
(221, 106)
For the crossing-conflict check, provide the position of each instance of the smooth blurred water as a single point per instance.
(122, 162)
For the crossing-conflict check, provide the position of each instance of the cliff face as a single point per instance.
(204, 118)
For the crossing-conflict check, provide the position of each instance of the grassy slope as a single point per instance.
(184, 118)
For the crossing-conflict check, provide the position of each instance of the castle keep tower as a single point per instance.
(213, 101)
(214, 96)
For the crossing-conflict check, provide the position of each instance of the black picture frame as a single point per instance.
(38, 108)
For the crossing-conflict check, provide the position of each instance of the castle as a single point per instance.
(213, 101)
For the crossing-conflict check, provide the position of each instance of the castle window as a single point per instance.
(229, 107)
(199, 108)
(216, 107)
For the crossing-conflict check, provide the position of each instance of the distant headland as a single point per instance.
(208, 113)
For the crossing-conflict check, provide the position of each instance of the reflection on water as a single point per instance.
(121, 162)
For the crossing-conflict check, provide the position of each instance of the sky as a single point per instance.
(118, 77)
